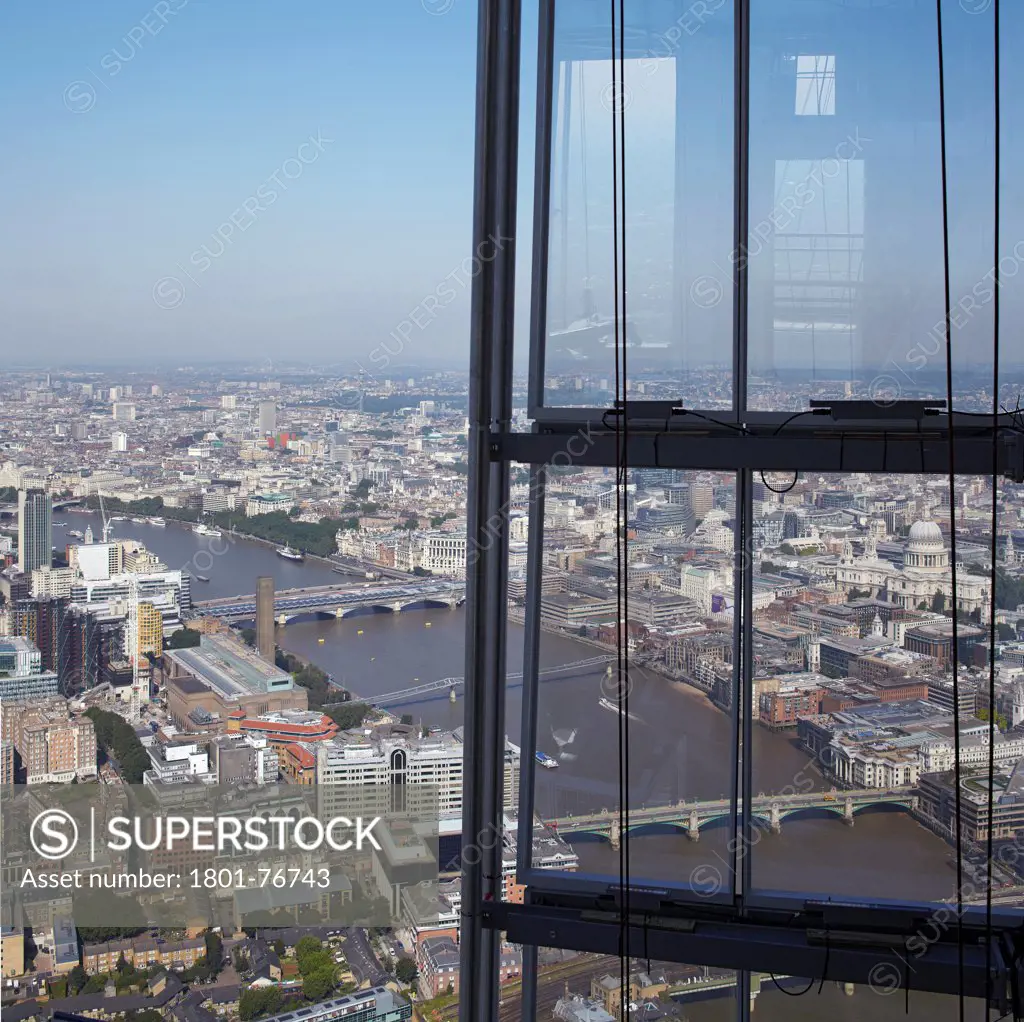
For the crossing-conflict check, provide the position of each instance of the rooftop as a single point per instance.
(230, 668)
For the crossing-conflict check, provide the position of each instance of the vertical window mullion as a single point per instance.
(741, 201)
(542, 200)
(745, 709)
(531, 680)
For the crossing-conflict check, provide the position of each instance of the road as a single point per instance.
(361, 959)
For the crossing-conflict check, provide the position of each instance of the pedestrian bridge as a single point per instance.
(449, 686)
(339, 601)
(766, 811)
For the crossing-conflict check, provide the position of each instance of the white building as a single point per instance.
(118, 441)
(925, 571)
(267, 503)
(697, 584)
(57, 582)
(396, 756)
(444, 553)
(124, 411)
(267, 417)
(875, 765)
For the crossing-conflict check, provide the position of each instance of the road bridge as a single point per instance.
(767, 811)
(339, 601)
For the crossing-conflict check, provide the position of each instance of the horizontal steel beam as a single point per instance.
(824, 450)
(872, 960)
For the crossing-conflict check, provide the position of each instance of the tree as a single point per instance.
(279, 947)
(412, 523)
(249, 636)
(184, 638)
(257, 1001)
(122, 963)
(1009, 590)
(77, 978)
(308, 945)
(95, 985)
(938, 602)
(240, 960)
(318, 984)
(1001, 720)
(405, 970)
(117, 739)
(214, 951)
(1007, 633)
(406, 718)
(348, 715)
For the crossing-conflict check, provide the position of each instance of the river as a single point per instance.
(679, 743)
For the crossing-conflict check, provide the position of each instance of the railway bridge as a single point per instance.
(339, 601)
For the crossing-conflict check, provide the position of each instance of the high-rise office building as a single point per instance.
(268, 417)
(702, 498)
(118, 441)
(228, 402)
(42, 622)
(35, 516)
(265, 617)
(124, 411)
(150, 629)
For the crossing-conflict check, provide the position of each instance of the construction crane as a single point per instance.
(106, 521)
(132, 641)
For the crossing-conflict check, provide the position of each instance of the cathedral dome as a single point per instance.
(925, 535)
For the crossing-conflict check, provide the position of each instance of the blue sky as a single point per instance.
(134, 130)
(161, 192)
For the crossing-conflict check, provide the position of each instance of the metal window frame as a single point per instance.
(746, 929)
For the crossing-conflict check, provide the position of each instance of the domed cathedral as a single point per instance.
(926, 550)
(925, 571)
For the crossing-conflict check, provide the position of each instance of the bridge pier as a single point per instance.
(339, 612)
(282, 620)
(693, 826)
(396, 607)
(615, 833)
(848, 812)
(776, 820)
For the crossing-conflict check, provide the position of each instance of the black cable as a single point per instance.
(625, 458)
(717, 422)
(621, 523)
(824, 970)
(948, 316)
(796, 415)
(767, 485)
(997, 158)
(791, 993)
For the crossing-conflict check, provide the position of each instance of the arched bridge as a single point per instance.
(339, 601)
(766, 810)
(444, 686)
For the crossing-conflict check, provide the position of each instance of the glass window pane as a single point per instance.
(592, 986)
(676, 94)
(673, 706)
(853, 694)
(845, 251)
(796, 999)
